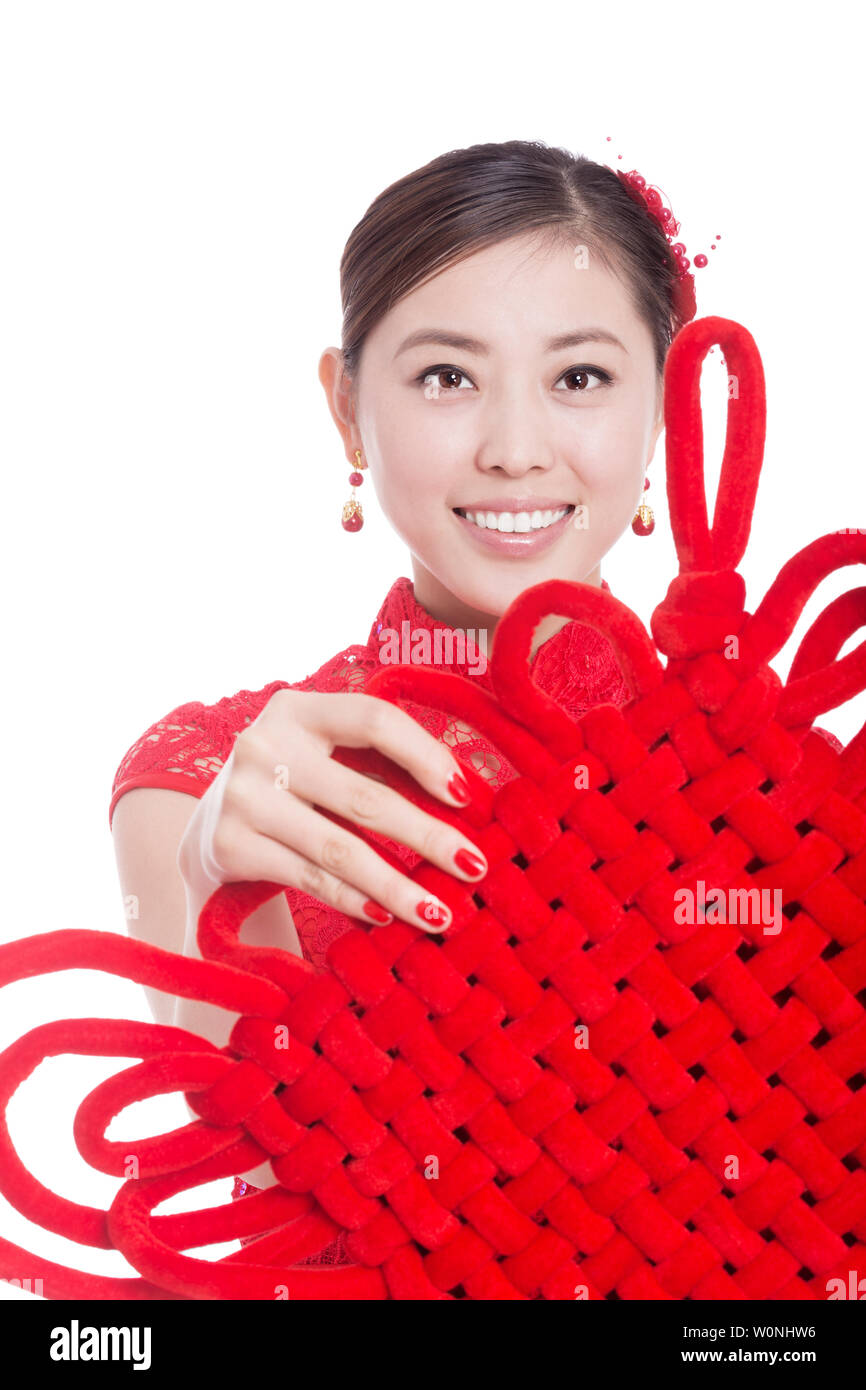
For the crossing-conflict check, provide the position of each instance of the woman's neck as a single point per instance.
(446, 607)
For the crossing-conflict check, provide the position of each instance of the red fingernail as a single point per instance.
(470, 863)
(377, 912)
(433, 913)
(459, 789)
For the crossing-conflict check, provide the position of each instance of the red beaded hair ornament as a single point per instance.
(683, 299)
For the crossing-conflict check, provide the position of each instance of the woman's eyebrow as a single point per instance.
(443, 338)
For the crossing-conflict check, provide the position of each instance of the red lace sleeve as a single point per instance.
(185, 749)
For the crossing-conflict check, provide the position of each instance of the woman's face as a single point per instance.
(518, 381)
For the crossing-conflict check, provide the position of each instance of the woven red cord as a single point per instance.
(427, 1097)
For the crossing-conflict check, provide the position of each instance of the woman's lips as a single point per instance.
(517, 543)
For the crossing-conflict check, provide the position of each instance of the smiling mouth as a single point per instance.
(509, 522)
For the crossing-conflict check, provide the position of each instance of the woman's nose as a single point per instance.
(515, 463)
(515, 436)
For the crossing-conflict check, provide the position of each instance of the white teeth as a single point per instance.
(514, 521)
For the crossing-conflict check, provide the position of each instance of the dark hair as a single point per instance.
(468, 199)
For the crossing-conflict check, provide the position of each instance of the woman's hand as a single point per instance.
(257, 819)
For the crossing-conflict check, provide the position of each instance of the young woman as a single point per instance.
(507, 314)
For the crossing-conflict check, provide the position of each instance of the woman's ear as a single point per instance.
(658, 426)
(338, 393)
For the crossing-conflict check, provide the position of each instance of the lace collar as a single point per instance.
(577, 665)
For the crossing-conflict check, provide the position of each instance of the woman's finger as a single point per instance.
(336, 851)
(248, 855)
(319, 780)
(366, 721)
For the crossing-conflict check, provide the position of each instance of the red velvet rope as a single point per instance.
(560, 1171)
(698, 548)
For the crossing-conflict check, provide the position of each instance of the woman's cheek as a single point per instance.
(617, 465)
(410, 507)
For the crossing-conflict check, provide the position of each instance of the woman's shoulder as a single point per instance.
(184, 749)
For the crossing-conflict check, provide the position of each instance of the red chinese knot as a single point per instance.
(579, 1090)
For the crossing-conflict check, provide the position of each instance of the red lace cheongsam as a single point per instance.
(185, 749)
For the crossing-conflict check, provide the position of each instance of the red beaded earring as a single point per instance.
(643, 521)
(353, 514)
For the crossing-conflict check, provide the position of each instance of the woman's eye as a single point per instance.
(440, 381)
(581, 374)
(445, 380)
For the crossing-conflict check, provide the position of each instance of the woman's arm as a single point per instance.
(148, 826)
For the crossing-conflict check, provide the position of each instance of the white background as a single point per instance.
(179, 180)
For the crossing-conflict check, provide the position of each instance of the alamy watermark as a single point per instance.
(77, 1343)
(27, 1285)
(442, 646)
(759, 906)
